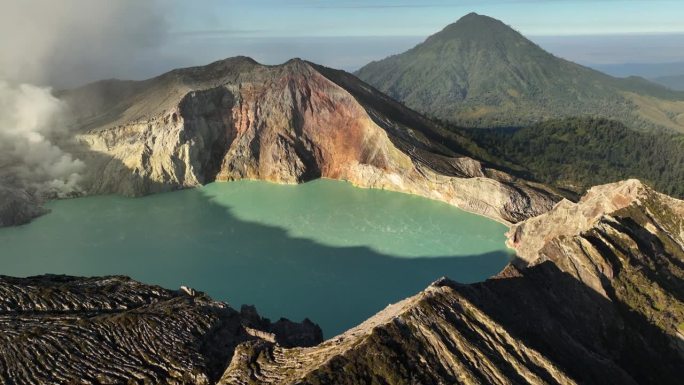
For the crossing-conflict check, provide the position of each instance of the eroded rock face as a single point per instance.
(600, 300)
(237, 119)
(60, 329)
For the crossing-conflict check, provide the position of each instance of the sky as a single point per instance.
(350, 33)
(274, 18)
(71, 42)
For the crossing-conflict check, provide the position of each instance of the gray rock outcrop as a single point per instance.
(18, 206)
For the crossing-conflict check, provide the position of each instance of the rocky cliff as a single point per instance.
(596, 297)
(18, 206)
(112, 330)
(291, 123)
(622, 240)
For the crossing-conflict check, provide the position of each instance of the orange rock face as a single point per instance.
(298, 126)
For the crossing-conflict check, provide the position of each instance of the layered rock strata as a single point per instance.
(112, 330)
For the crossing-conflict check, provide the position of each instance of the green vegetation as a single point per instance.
(576, 153)
(479, 72)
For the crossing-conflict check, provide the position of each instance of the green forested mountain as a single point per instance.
(479, 72)
(576, 153)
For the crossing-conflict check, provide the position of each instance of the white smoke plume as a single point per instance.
(61, 43)
(30, 117)
(31, 120)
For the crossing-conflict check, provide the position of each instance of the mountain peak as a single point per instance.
(297, 63)
(479, 21)
(480, 72)
(476, 17)
(476, 27)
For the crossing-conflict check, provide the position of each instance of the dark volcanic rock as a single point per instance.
(60, 329)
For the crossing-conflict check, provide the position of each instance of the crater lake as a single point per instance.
(323, 250)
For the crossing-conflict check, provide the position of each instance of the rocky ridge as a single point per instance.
(237, 119)
(600, 301)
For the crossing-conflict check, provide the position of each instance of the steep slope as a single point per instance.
(112, 330)
(480, 72)
(597, 297)
(623, 240)
(237, 119)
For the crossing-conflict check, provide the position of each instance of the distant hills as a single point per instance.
(479, 72)
(645, 70)
(673, 82)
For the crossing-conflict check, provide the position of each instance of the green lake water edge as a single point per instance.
(323, 250)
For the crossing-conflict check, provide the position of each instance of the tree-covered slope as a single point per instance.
(577, 153)
(480, 72)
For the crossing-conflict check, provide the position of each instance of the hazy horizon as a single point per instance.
(85, 41)
(617, 55)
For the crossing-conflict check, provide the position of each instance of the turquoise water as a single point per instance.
(323, 250)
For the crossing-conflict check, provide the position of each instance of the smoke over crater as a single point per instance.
(61, 44)
(68, 43)
(30, 120)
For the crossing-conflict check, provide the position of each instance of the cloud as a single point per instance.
(69, 42)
